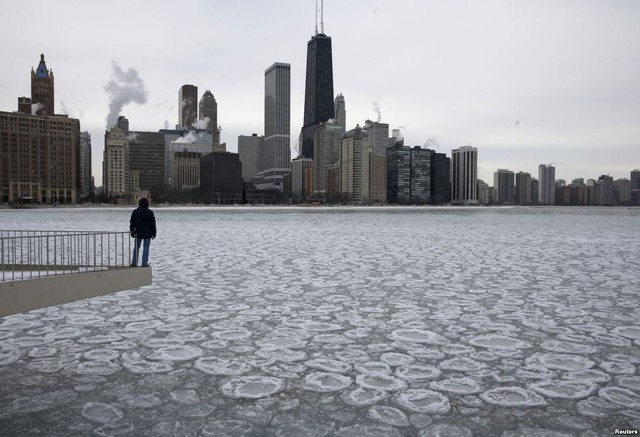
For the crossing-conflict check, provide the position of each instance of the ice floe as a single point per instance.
(328, 365)
(101, 412)
(418, 336)
(325, 382)
(380, 381)
(565, 389)
(252, 387)
(416, 372)
(221, 366)
(459, 386)
(362, 397)
(175, 353)
(512, 397)
(497, 341)
(388, 415)
(423, 401)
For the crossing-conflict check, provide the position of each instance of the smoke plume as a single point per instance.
(123, 88)
(376, 109)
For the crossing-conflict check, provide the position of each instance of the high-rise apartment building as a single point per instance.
(249, 148)
(547, 183)
(318, 98)
(504, 184)
(117, 181)
(523, 188)
(326, 145)
(603, 194)
(209, 113)
(635, 179)
(187, 105)
(440, 178)
(277, 117)
(377, 179)
(341, 112)
(464, 176)
(378, 136)
(85, 188)
(408, 175)
(147, 157)
(300, 188)
(42, 90)
(354, 166)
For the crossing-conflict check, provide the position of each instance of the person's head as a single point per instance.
(143, 202)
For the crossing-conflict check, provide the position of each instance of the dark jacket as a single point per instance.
(143, 223)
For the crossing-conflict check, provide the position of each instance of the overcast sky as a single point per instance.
(526, 82)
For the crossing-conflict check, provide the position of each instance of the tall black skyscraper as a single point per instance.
(318, 98)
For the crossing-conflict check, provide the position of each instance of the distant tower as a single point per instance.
(318, 98)
(341, 112)
(504, 184)
(547, 187)
(277, 116)
(209, 110)
(464, 176)
(42, 89)
(188, 105)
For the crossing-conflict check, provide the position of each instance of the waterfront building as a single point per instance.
(187, 105)
(221, 178)
(326, 144)
(300, 180)
(377, 179)
(440, 178)
(209, 113)
(273, 179)
(378, 136)
(354, 166)
(464, 176)
(484, 193)
(523, 188)
(398, 174)
(622, 192)
(85, 184)
(635, 179)
(504, 184)
(603, 191)
(39, 151)
(117, 181)
(277, 117)
(249, 147)
(341, 112)
(318, 98)
(535, 190)
(547, 182)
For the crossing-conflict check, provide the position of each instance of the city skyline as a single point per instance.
(545, 83)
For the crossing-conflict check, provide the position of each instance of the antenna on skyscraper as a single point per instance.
(316, 17)
(322, 17)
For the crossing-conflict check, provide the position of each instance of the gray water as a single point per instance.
(347, 322)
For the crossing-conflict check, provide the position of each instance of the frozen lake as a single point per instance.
(346, 322)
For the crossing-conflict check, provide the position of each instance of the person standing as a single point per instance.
(143, 228)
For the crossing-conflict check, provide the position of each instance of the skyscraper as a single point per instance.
(523, 188)
(464, 176)
(209, 113)
(354, 166)
(249, 147)
(635, 179)
(504, 184)
(85, 188)
(326, 143)
(318, 98)
(440, 178)
(408, 175)
(277, 116)
(378, 136)
(187, 105)
(341, 112)
(547, 187)
(42, 97)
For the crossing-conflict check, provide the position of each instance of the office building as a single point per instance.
(341, 112)
(209, 114)
(504, 184)
(187, 106)
(198, 141)
(277, 117)
(249, 147)
(378, 134)
(326, 145)
(186, 170)
(147, 157)
(440, 178)
(408, 175)
(354, 166)
(603, 191)
(547, 181)
(622, 192)
(117, 181)
(634, 180)
(85, 187)
(318, 98)
(301, 183)
(464, 176)
(523, 188)
(221, 178)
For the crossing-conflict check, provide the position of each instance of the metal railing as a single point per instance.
(35, 254)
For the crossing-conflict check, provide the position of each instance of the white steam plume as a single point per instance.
(123, 88)
(203, 123)
(376, 109)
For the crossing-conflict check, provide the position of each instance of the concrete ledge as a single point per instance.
(30, 294)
